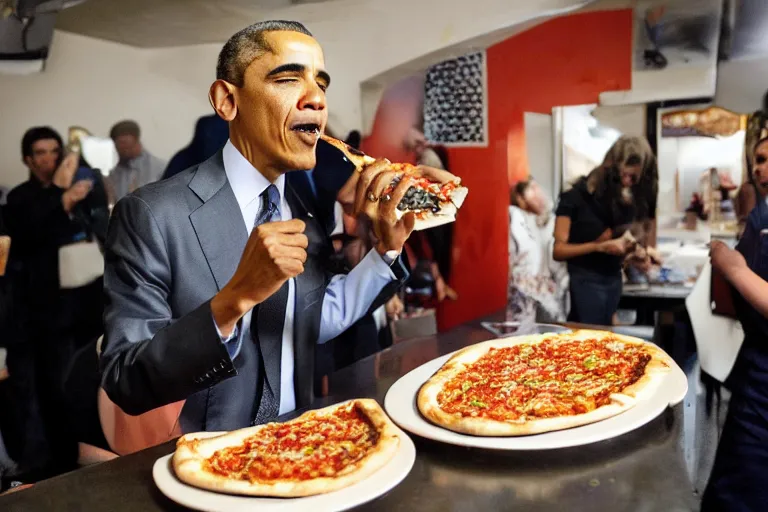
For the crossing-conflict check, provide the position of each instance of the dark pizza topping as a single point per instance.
(419, 199)
(424, 195)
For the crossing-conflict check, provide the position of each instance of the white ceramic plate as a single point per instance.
(372, 487)
(400, 404)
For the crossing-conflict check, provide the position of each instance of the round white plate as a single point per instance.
(372, 487)
(400, 404)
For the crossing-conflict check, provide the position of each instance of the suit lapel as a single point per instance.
(218, 222)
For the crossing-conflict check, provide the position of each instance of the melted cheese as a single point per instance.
(557, 377)
(322, 445)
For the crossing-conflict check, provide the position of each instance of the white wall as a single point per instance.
(687, 75)
(93, 84)
(627, 119)
(540, 147)
(741, 84)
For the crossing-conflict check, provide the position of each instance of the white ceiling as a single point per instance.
(163, 23)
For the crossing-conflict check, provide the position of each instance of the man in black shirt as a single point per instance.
(44, 214)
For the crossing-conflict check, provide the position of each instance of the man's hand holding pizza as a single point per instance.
(370, 193)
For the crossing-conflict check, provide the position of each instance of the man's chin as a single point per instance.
(303, 163)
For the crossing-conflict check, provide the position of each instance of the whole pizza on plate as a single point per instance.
(318, 452)
(541, 383)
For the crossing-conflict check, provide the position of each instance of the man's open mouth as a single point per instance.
(307, 128)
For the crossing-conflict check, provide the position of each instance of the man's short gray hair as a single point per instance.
(242, 48)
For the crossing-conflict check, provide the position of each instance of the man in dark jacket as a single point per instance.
(48, 211)
(211, 133)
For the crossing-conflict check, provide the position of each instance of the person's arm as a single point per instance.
(147, 359)
(564, 250)
(734, 268)
(350, 297)
(373, 281)
(752, 287)
(650, 240)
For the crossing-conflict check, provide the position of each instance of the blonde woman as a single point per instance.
(592, 217)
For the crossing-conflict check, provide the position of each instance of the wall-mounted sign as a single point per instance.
(455, 102)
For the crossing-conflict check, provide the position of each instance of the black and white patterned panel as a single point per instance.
(454, 101)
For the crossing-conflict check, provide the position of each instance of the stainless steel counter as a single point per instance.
(640, 471)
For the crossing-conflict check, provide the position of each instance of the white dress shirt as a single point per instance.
(347, 297)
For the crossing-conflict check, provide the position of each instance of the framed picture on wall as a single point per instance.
(456, 102)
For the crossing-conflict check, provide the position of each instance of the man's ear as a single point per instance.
(223, 99)
(27, 161)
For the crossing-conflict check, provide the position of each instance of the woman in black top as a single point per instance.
(592, 216)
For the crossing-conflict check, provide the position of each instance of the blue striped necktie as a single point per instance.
(267, 322)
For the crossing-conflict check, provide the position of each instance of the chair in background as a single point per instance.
(127, 434)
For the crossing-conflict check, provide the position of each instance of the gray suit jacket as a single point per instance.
(171, 247)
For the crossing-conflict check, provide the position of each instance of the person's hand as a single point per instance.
(726, 260)
(353, 194)
(606, 236)
(376, 177)
(616, 247)
(641, 264)
(394, 308)
(75, 194)
(65, 173)
(366, 193)
(391, 232)
(444, 291)
(274, 253)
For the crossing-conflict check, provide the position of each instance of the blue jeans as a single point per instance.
(594, 297)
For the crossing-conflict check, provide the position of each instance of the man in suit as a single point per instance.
(197, 308)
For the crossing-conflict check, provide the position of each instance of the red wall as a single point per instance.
(565, 61)
(398, 111)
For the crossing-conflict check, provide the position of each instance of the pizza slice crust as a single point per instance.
(192, 451)
(659, 365)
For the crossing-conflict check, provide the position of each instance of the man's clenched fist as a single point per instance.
(275, 252)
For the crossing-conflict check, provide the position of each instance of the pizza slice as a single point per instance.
(320, 451)
(542, 383)
(434, 202)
